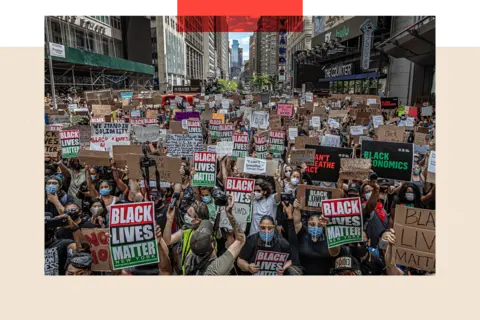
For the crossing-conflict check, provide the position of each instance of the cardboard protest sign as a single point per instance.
(241, 190)
(226, 131)
(240, 145)
(355, 169)
(356, 130)
(119, 153)
(261, 145)
(390, 133)
(94, 158)
(99, 248)
(332, 123)
(277, 142)
(179, 116)
(432, 164)
(107, 134)
(100, 110)
(301, 141)
(427, 111)
(205, 164)
(311, 197)
(183, 145)
(338, 113)
(275, 122)
(345, 221)
(254, 165)
(299, 156)
(59, 119)
(52, 143)
(292, 133)
(169, 170)
(146, 133)
(413, 111)
(269, 262)
(284, 110)
(70, 142)
(415, 234)
(377, 121)
(362, 118)
(132, 228)
(390, 160)
(420, 139)
(219, 116)
(326, 166)
(214, 128)
(259, 119)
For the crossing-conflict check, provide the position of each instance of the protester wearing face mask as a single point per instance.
(74, 177)
(346, 265)
(309, 243)
(55, 197)
(408, 196)
(370, 262)
(206, 195)
(265, 202)
(267, 239)
(98, 213)
(77, 216)
(418, 178)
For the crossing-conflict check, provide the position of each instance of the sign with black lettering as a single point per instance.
(240, 145)
(269, 262)
(205, 164)
(326, 165)
(345, 224)
(392, 160)
(311, 197)
(241, 190)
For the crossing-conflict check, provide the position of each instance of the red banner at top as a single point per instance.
(243, 8)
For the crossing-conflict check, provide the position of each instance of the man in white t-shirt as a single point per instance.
(264, 203)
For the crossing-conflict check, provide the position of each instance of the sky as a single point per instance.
(243, 41)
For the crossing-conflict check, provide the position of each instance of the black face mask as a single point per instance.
(74, 214)
(359, 251)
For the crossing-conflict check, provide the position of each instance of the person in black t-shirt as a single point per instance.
(74, 212)
(268, 239)
(370, 263)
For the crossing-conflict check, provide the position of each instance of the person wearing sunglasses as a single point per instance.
(268, 239)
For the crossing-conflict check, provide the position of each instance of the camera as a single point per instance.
(53, 223)
(286, 197)
(373, 176)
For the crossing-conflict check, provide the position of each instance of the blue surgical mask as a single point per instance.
(417, 172)
(315, 232)
(51, 188)
(104, 192)
(58, 174)
(266, 237)
(93, 177)
(367, 195)
(206, 199)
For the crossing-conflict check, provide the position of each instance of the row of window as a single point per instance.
(362, 86)
(111, 21)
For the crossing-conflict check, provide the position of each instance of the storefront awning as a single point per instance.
(354, 77)
(415, 43)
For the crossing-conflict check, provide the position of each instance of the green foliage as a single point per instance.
(227, 85)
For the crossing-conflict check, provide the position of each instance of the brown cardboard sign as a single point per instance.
(390, 133)
(275, 122)
(311, 197)
(299, 156)
(99, 248)
(308, 106)
(338, 113)
(119, 152)
(134, 171)
(272, 166)
(176, 127)
(362, 118)
(301, 141)
(94, 158)
(415, 234)
(151, 114)
(355, 169)
(319, 111)
(420, 139)
(422, 130)
(101, 110)
(52, 144)
(169, 169)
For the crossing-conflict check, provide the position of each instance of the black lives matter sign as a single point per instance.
(269, 262)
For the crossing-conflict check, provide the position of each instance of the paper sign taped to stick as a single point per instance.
(415, 234)
(345, 221)
(355, 169)
(99, 248)
(94, 158)
(134, 241)
(390, 133)
(299, 156)
(269, 262)
(311, 197)
(255, 166)
(205, 164)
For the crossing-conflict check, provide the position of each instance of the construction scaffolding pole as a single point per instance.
(50, 66)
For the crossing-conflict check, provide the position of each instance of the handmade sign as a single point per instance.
(420, 139)
(94, 158)
(255, 165)
(169, 170)
(299, 156)
(356, 130)
(292, 133)
(275, 122)
(261, 145)
(99, 248)
(183, 145)
(413, 111)
(194, 127)
(205, 164)
(101, 110)
(427, 111)
(219, 116)
(133, 238)
(259, 119)
(276, 140)
(240, 145)
(284, 110)
(224, 148)
(70, 142)
(119, 153)
(301, 141)
(59, 119)
(326, 166)
(52, 144)
(107, 134)
(311, 197)
(226, 131)
(214, 128)
(179, 116)
(390, 133)
(389, 159)
(415, 238)
(146, 133)
(330, 140)
(338, 113)
(332, 123)
(241, 190)
(355, 169)
(431, 169)
(362, 118)
(377, 121)
(345, 223)
(97, 120)
(269, 262)
(316, 122)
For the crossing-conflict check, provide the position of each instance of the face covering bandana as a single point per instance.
(73, 213)
(51, 188)
(266, 237)
(206, 199)
(188, 219)
(96, 211)
(104, 192)
(410, 196)
(294, 181)
(258, 195)
(368, 195)
(315, 232)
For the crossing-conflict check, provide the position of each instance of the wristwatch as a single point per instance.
(75, 228)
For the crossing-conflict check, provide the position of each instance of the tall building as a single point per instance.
(240, 57)
(194, 39)
(252, 56)
(168, 57)
(221, 44)
(235, 66)
(209, 49)
(95, 52)
(297, 41)
(267, 53)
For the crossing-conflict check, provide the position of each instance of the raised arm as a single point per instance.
(297, 216)
(167, 232)
(92, 193)
(165, 265)
(116, 176)
(278, 186)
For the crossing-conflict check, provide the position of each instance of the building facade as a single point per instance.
(297, 41)
(169, 55)
(209, 49)
(194, 38)
(267, 53)
(240, 58)
(252, 56)
(221, 45)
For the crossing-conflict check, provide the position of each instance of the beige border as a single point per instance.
(27, 294)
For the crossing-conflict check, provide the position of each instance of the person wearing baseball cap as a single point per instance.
(346, 265)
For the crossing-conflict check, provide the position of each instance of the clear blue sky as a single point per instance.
(243, 41)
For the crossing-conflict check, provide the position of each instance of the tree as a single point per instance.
(226, 85)
(261, 81)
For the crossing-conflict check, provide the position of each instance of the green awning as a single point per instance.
(82, 57)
